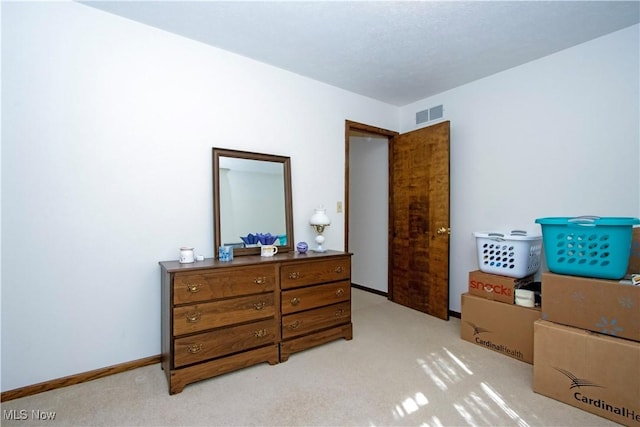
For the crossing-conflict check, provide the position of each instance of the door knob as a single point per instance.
(442, 230)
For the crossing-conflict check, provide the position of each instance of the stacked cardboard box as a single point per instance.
(587, 348)
(494, 287)
(491, 319)
(605, 306)
(594, 372)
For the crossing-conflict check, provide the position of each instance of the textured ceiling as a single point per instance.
(396, 52)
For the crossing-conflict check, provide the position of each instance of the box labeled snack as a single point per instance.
(594, 372)
(504, 328)
(599, 305)
(495, 287)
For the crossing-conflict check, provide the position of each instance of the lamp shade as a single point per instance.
(320, 217)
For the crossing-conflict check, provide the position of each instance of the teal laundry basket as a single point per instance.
(588, 246)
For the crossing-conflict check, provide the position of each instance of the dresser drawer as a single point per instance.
(209, 315)
(315, 296)
(302, 274)
(209, 345)
(222, 283)
(320, 318)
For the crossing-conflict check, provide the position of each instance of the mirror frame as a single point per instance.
(288, 209)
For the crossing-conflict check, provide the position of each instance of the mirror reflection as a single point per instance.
(252, 201)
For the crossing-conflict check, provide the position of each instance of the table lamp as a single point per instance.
(319, 220)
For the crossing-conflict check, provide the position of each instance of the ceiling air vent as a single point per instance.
(433, 113)
(422, 116)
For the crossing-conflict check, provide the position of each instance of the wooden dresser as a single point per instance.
(315, 303)
(218, 317)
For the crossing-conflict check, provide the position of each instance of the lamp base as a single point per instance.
(319, 241)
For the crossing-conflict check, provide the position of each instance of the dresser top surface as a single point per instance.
(176, 266)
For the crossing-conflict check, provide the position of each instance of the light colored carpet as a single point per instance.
(402, 368)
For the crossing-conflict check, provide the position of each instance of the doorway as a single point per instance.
(368, 211)
(415, 230)
(367, 205)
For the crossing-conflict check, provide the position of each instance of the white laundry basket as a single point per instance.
(514, 253)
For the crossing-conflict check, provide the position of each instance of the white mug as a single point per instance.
(268, 250)
(186, 255)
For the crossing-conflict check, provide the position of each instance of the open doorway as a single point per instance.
(367, 205)
(412, 241)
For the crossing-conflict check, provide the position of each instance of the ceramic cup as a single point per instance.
(268, 250)
(186, 255)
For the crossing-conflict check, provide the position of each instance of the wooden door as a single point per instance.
(419, 220)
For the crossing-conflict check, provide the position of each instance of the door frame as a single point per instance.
(360, 129)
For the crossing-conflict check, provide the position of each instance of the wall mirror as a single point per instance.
(251, 196)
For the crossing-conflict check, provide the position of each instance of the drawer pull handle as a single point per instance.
(260, 305)
(194, 348)
(295, 301)
(294, 275)
(339, 292)
(260, 333)
(193, 316)
(294, 325)
(339, 312)
(193, 287)
(339, 269)
(260, 280)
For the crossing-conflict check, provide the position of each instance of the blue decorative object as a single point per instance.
(250, 239)
(267, 239)
(302, 247)
(225, 253)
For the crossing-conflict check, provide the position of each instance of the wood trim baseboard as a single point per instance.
(373, 291)
(77, 378)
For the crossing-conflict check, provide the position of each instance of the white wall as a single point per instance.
(559, 136)
(102, 120)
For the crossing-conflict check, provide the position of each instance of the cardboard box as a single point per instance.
(634, 254)
(596, 373)
(504, 328)
(599, 305)
(494, 287)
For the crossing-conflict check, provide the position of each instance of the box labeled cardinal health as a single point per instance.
(504, 328)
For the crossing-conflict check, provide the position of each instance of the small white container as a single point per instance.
(525, 298)
(186, 255)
